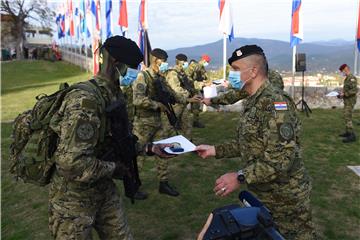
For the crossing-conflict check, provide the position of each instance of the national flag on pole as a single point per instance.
(296, 35)
(89, 17)
(123, 18)
(358, 29)
(95, 9)
(71, 18)
(226, 25)
(143, 23)
(83, 26)
(77, 23)
(144, 42)
(60, 22)
(108, 11)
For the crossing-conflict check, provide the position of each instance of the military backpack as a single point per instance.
(34, 142)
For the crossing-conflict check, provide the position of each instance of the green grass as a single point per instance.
(22, 81)
(335, 196)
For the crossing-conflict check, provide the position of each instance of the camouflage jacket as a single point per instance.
(82, 128)
(128, 94)
(175, 83)
(229, 97)
(267, 139)
(276, 79)
(197, 74)
(350, 89)
(144, 92)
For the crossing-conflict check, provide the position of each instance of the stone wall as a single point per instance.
(314, 97)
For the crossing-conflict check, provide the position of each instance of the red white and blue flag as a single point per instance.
(144, 42)
(95, 9)
(280, 106)
(123, 18)
(296, 35)
(60, 22)
(226, 25)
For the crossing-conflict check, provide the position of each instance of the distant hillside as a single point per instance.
(321, 56)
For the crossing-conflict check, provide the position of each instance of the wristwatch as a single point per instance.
(241, 177)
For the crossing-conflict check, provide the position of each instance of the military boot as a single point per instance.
(350, 138)
(198, 124)
(140, 195)
(165, 188)
(345, 134)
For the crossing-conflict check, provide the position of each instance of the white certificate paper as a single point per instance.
(180, 139)
(210, 92)
(332, 94)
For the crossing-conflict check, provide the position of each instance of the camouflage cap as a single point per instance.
(159, 53)
(245, 51)
(124, 50)
(181, 57)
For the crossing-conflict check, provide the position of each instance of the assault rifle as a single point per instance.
(123, 149)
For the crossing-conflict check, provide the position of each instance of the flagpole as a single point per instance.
(356, 55)
(293, 72)
(224, 56)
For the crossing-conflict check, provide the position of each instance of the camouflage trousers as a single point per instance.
(195, 110)
(77, 208)
(290, 206)
(186, 119)
(348, 111)
(150, 129)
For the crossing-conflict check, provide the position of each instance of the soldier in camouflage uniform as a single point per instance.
(349, 95)
(82, 194)
(184, 93)
(268, 146)
(197, 74)
(150, 122)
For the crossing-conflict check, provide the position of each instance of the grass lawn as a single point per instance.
(335, 196)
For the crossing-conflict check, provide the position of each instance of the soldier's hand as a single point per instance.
(158, 149)
(226, 83)
(206, 101)
(205, 151)
(226, 184)
(194, 99)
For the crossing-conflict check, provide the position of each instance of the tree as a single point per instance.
(22, 11)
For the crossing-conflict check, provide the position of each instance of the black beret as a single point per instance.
(343, 66)
(181, 57)
(124, 50)
(245, 51)
(159, 53)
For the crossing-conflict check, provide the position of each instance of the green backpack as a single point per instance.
(34, 142)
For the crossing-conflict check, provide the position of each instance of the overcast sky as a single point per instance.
(182, 23)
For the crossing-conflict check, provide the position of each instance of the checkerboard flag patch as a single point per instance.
(280, 106)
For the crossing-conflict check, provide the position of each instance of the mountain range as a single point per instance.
(321, 56)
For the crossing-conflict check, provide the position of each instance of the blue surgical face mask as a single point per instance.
(163, 67)
(129, 78)
(206, 64)
(185, 65)
(235, 80)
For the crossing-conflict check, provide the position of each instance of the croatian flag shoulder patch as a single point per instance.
(280, 106)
